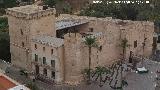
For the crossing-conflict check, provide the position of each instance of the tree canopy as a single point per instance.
(131, 11)
(4, 40)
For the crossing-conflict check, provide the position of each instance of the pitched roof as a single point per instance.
(69, 23)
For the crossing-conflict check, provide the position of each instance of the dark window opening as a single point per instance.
(135, 44)
(53, 63)
(22, 44)
(36, 57)
(37, 69)
(35, 46)
(53, 75)
(51, 51)
(43, 49)
(91, 29)
(45, 71)
(158, 41)
(44, 60)
(21, 31)
(100, 48)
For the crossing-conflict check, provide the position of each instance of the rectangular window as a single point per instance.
(53, 74)
(135, 44)
(22, 44)
(43, 49)
(36, 57)
(21, 31)
(51, 51)
(53, 63)
(91, 29)
(35, 46)
(45, 71)
(44, 60)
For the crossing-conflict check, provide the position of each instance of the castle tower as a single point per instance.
(73, 64)
(25, 23)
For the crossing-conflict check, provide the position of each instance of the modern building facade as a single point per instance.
(53, 47)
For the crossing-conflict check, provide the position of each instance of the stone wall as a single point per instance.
(114, 30)
(22, 29)
(73, 58)
(57, 56)
(19, 42)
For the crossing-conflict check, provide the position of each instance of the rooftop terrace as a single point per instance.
(30, 11)
(27, 9)
(48, 40)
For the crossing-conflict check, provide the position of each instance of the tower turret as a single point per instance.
(25, 23)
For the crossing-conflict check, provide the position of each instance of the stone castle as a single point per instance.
(53, 47)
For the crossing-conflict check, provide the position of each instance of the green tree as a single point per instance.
(132, 11)
(123, 44)
(8, 3)
(67, 8)
(90, 42)
(52, 3)
(4, 40)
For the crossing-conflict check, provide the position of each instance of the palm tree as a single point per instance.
(90, 42)
(124, 44)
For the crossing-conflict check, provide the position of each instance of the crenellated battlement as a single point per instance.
(30, 12)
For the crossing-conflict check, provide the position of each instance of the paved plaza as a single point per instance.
(146, 81)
